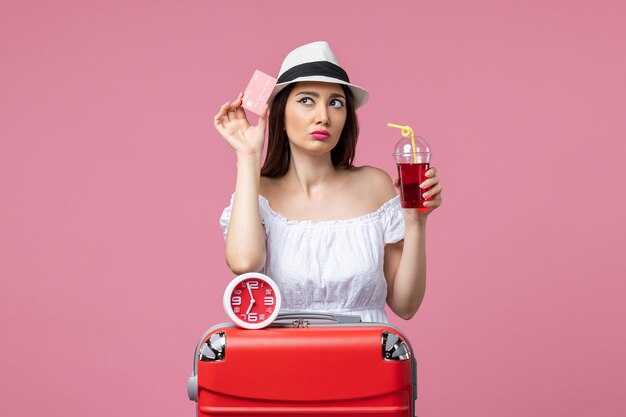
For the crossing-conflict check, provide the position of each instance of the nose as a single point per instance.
(322, 115)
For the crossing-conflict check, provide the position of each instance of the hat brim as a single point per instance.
(361, 96)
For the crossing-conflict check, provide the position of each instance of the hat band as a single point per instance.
(325, 68)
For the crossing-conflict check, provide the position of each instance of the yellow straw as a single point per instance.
(406, 131)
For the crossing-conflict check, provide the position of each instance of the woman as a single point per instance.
(333, 236)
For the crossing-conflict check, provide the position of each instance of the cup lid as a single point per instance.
(410, 146)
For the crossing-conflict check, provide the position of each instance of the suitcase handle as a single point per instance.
(338, 318)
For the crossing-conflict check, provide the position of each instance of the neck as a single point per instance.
(310, 174)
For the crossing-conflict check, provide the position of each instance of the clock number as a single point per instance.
(269, 301)
(236, 301)
(252, 317)
(254, 285)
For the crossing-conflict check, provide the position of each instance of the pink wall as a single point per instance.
(112, 180)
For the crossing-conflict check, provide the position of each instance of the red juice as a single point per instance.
(411, 176)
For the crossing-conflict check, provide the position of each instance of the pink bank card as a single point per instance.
(258, 91)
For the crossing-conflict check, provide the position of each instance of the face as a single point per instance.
(315, 107)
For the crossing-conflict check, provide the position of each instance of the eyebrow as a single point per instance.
(314, 94)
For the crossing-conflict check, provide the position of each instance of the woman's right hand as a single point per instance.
(232, 123)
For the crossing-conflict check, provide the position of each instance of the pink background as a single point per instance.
(112, 180)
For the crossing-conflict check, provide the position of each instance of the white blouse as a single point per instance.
(331, 266)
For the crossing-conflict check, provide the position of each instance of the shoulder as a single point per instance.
(376, 181)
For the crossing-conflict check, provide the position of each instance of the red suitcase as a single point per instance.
(305, 364)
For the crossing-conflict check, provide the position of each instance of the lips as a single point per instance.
(320, 134)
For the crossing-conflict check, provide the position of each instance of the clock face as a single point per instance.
(252, 300)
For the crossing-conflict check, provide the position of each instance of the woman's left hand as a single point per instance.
(433, 194)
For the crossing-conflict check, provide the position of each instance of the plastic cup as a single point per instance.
(412, 169)
(412, 155)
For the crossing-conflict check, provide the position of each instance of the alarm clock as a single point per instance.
(252, 300)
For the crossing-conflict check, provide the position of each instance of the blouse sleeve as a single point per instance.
(225, 218)
(393, 221)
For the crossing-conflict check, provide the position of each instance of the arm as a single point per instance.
(405, 261)
(245, 241)
(405, 271)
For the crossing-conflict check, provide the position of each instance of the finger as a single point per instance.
(263, 118)
(221, 112)
(219, 118)
(240, 113)
(230, 114)
(432, 192)
(224, 121)
(231, 110)
(429, 182)
(432, 203)
(225, 107)
(437, 198)
(265, 111)
(237, 101)
(220, 125)
(432, 171)
(396, 182)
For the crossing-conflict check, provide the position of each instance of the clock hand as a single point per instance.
(250, 307)
(251, 300)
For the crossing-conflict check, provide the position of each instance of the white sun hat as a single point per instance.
(315, 62)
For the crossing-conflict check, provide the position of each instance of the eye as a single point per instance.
(303, 99)
(337, 103)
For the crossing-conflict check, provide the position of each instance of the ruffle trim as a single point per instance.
(386, 207)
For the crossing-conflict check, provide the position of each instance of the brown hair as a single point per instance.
(278, 153)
